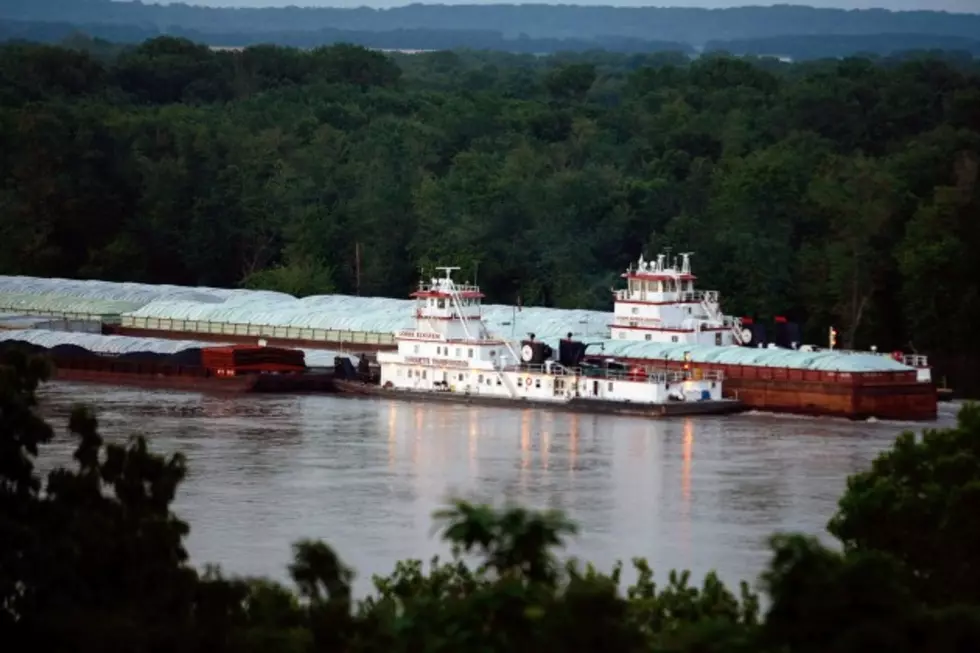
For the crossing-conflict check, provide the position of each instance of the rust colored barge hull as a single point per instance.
(189, 379)
(233, 385)
(909, 402)
(885, 395)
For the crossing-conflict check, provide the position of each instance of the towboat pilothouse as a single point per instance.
(660, 304)
(449, 355)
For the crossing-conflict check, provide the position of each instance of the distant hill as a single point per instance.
(695, 26)
(401, 39)
(824, 46)
(788, 31)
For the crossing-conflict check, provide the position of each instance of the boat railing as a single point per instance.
(912, 360)
(725, 321)
(685, 296)
(651, 376)
(441, 285)
(915, 360)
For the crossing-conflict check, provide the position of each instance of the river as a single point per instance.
(365, 475)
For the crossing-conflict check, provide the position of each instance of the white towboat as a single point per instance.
(450, 356)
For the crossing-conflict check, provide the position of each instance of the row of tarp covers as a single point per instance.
(141, 302)
(366, 315)
(126, 292)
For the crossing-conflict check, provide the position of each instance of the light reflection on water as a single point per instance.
(365, 475)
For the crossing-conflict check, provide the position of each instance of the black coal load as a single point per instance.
(186, 358)
(67, 352)
(144, 357)
(21, 346)
(268, 356)
(72, 352)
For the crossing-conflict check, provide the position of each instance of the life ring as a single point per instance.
(527, 353)
(527, 382)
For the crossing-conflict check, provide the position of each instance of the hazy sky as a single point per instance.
(971, 6)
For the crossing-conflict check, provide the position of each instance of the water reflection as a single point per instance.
(366, 475)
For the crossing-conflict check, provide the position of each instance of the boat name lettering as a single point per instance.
(432, 362)
(420, 335)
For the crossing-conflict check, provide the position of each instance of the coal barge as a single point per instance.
(236, 369)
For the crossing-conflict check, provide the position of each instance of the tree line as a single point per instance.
(92, 558)
(834, 192)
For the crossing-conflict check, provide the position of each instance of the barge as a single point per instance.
(224, 370)
(450, 356)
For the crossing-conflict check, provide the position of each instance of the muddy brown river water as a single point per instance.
(366, 474)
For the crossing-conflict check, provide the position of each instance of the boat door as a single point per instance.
(445, 378)
(595, 388)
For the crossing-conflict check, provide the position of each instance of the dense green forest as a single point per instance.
(835, 192)
(92, 558)
(787, 31)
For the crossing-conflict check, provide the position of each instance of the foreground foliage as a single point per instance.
(93, 559)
